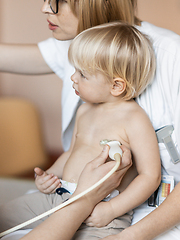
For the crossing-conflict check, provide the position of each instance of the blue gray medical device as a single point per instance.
(164, 136)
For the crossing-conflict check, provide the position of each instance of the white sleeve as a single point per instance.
(55, 54)
(177, 120)
(176, 98)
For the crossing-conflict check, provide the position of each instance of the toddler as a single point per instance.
(114, 63)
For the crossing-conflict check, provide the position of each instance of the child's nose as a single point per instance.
(73, 78)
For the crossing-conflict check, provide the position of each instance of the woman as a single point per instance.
(160, 100)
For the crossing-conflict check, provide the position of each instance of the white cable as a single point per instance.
(116, 157)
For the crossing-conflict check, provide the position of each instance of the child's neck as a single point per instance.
(113, 104)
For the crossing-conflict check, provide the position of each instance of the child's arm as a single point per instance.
(144, 146)
(146, 157)
(48, 181)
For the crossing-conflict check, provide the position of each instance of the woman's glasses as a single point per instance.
(53, 5)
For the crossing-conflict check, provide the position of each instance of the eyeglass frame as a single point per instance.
(49, 2)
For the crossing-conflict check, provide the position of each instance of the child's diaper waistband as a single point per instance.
(71, 187)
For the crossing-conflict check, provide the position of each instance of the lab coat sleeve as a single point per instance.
(175, 94)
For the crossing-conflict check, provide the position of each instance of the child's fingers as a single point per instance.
(43, 179)
(51, 185)
(38, 171)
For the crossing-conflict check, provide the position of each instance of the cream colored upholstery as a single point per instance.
(21, 140)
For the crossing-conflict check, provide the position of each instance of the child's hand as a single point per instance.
(101, 216)
(46, 183)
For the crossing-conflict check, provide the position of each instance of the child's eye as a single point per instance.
(82, 75)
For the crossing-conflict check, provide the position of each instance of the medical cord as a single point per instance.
(116, 157)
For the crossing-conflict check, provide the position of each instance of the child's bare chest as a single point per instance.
(98, 126)
(91, 129)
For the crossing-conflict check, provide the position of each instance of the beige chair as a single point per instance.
(21, 139)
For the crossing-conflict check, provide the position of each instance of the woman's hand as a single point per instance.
(97, 169)
(46, 183)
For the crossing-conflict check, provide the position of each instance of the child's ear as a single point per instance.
(118, 87)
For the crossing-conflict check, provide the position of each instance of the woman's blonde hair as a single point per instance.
(117, 50)
(95, 12)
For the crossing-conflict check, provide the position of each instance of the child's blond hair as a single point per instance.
(117, 50)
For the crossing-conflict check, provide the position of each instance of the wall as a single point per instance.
(22, 21)
(163, 13)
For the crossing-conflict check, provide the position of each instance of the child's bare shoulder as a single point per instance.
(139, 113)
(134, 115)
(137, 118)
(84, 108)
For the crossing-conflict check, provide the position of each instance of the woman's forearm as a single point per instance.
(165, 217)
(56, 226)
(22, 59)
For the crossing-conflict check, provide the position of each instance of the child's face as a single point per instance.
(91, 88)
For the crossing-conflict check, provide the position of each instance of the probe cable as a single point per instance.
(117, 158)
